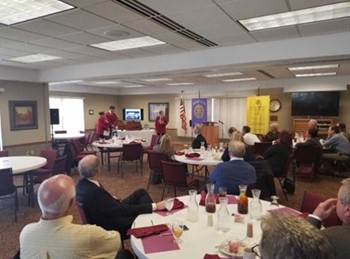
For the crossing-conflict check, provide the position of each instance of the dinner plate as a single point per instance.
(225, 250)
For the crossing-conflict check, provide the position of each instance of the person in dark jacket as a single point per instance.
(198, 137)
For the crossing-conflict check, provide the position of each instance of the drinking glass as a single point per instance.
(169, 203)
(234, 244)
(274, 201)
(177, 228)
(222, 191)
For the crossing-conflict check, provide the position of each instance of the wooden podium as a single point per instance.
(211, 134)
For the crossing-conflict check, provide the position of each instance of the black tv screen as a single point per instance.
(315, 104)
(132, 114)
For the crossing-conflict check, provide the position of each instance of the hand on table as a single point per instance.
(160, 205)
(324, 209)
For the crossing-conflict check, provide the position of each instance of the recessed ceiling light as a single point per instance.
(15, 11)
(239, 79)
(316, 74)
(314, 67)
(133, 43)
(133, 86)
(315, 14)
(157, 79)
(66, 82)
(187, 83)
(224, 74)
(33, 58)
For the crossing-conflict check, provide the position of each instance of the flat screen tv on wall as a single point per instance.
(315, 104)
(132, 114)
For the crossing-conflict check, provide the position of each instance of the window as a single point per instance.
(71, 113)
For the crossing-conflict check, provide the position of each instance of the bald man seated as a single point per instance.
(55, 236)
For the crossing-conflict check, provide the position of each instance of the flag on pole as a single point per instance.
(183, 114)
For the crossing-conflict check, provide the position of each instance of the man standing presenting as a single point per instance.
(55, 236)
(112, 119)
(160, 124)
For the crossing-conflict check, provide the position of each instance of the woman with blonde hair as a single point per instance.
(238, 136)
(165, 147)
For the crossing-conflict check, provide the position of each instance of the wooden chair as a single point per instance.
(175, 175)
(7, 188)
(155, 166)
(310, 202)
(306, 161)
(132, 152)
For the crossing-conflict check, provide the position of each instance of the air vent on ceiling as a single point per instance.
(148, 12)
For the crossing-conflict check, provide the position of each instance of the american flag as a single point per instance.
(183, 115)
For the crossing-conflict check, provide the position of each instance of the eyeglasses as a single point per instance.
(255, 250)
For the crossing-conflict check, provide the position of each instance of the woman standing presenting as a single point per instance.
(161, 122)
(102, 126)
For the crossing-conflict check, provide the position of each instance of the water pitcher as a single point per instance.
(223, 216)
(255, 205)
(192, 210)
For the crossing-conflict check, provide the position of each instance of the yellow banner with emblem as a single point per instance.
(258, 114)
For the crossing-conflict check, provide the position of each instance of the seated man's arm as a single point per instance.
(323, 211)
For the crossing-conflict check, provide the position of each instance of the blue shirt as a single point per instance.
(339, 143)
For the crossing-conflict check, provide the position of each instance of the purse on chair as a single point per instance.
(289, 185)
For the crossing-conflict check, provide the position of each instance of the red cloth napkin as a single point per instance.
(179, 153)
(190, 155)
(147, 231)
(177, 204)
(209, 256)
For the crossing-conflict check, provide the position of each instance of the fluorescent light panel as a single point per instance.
(33, 58)
(133, 43)
(133, 86)
(314, 67)
(224, 74)
(315, 14)
(239, 79)
(15, 11)
(66, 82)
(173, 84)
(316, 74)
(157, 79)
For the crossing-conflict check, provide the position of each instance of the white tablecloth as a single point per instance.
(137, 134)
(22, 164)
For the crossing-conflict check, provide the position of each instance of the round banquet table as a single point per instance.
(22, 164)
(206, 159)
(200, 239)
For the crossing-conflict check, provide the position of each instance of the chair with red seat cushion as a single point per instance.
(307, 161)
(310, 202)
(155, 166)
(132, 152)
(175, 175)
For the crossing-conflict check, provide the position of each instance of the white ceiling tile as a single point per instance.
(79, 19)
(7, 42)
(147, 27)
(164, 49)
(20, 35)
(116, 32)
(14, 53)
(45, 28)
(84, 38)
(84, 3)
(91, 51)
(325, 27)
(136, 53)
(29, 47)
(243, 9)
(56, 43)
(113, 11)
(276, 34)
(302, 4)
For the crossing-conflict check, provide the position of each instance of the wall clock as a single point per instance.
(275, 105)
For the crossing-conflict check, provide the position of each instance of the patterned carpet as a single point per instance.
(120, 187)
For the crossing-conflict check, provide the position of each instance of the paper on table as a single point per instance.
(155, 244)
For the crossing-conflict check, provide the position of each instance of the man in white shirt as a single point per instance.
(55, 236)
(249, 138)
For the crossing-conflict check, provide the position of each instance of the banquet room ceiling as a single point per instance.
(204, 37)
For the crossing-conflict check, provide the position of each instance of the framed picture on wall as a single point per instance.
(154, 108)
(23, 115)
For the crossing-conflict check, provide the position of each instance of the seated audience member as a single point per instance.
(165, 147)
(234, 172)
(248, 156)
(249, 138)
(231, 131)
(198, 137)
(288, 237)
(336, 142)
(311, 139)
(338, 236)
(273, 133)
(312, 124)
(342, 130)
(102, 208)
(55, 236)
(278, 153)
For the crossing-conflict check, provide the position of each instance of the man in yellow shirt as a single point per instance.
(55, 236)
